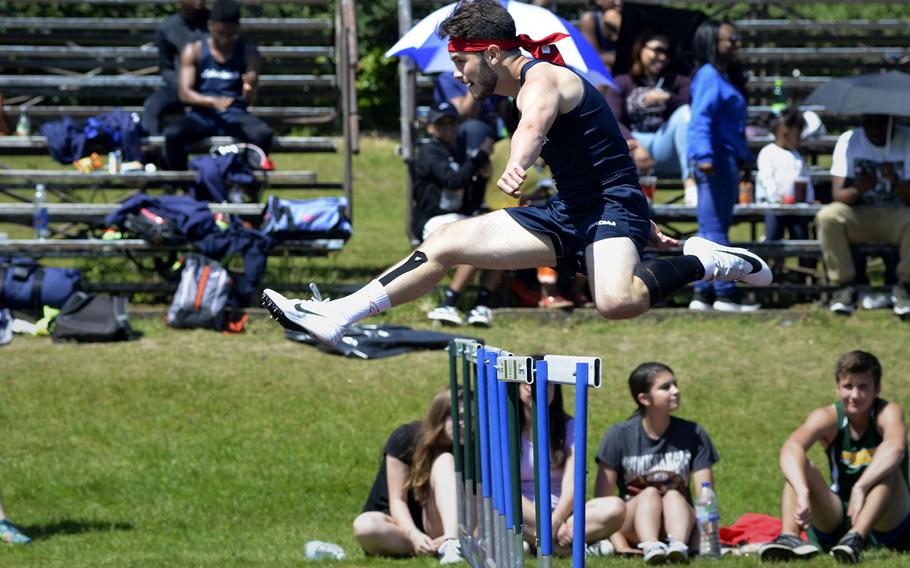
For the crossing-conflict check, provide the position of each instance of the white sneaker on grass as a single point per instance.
(729, 264)
(310, 316)
(450, 551)
(653, 552)
(677, 552)
(599, 548)
(446, 315)
(480, 316)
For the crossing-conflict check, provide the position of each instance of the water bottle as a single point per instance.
(707, 515)
(40, 220)
(778, 97)
(318, 550)
(24, 125)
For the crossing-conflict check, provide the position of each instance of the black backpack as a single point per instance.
(89, 318)
(153, 228)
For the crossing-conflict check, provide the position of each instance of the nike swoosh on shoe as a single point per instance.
(756, 265)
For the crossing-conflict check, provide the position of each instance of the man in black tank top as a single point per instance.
(868, 502)
(598, 224)
(218, 77)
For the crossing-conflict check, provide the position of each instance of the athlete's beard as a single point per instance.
(486, 81)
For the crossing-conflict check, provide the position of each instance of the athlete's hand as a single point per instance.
(659, 240)
(857, 500)
(511, 179)
(803, 511)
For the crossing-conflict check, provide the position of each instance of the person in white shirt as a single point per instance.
(870, 185)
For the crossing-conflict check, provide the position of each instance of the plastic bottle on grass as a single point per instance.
(707, 514)
(318, 550)
(40, 220)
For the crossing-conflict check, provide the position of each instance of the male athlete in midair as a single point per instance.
(598, 224)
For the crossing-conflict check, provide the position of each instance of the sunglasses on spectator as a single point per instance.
(659, 49)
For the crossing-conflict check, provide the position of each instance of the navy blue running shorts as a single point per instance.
(622, 212)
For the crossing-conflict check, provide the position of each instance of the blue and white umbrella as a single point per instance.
(430, 52)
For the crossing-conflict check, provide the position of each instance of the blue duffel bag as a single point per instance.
(306, 218)
(26, 285)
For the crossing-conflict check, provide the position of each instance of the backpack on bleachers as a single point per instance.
(201, 296)
(93, 318)
(26, 285)
(153, 228)
(306, 218)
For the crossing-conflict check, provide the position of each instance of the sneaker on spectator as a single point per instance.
(446, 315)
(480, 316)
(10, 533)
(843, 301)
(787, 547)
(555, 302)
(701, 302)
(901, 299)
(677, 552)
(653, 552)
(874, 300)
(734, 304)
(848, 549)
(450, 551)
(599, 548)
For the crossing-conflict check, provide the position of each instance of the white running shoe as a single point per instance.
(677, 552)
(480, 316)
(599, 548)
(450, 551)
(728, 263)
(734, 307)
(653, 552)
(310, 316)
(447, 315)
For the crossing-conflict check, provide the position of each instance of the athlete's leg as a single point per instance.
(887, 505)
(826, 507)
(489, 241)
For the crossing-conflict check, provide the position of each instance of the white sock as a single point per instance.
(368, 301)
(708, 263)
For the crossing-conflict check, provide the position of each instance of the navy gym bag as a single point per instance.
(322, 217)
(25, 285)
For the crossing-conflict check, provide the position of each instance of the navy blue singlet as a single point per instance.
(585, 149)
(221, 79)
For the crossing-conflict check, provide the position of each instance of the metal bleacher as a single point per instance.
(81, 66)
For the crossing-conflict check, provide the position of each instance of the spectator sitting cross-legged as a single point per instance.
(870, 171)
(186, 26)
(784, 179)
(218, 77)
(865, 440)
(602, 516)
(652, 108)
(718, 149)
(442, 188)
(652, 459)
(412, 507)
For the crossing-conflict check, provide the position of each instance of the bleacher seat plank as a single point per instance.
(827, 54)
(69, 248)
(146, 24)
(279, 143)
(135, 179)
(801, 26)
(320, 114)
(94, 213)
(145, 53)
(70, 82)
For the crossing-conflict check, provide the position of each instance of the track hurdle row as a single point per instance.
(485, 410)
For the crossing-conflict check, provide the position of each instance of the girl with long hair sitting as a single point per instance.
(653, 458)
(412, 507)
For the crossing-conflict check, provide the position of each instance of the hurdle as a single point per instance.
(487, 463)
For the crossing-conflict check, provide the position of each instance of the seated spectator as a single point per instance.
(870, 185)
(602, 516)
(600, 26)
(10, 533)
(412, 508)
(442, 189)
(186, 26)
(865, 439)
(718, 149)
(218, 77)
(784, 179)
(652, 108)
(652, 459)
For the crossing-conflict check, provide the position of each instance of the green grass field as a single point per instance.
(197, 449)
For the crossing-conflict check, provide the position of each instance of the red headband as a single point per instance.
(538, 48)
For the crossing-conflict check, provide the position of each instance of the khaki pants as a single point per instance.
(840, 225)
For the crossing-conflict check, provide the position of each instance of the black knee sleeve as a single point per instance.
(665, 276)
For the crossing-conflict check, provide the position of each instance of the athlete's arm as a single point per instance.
(820, 426)
(888, 455)
(186, 87)
(538, 101)
(397, 475)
